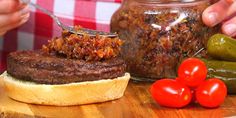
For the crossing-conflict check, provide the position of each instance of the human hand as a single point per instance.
(13, 13)
(224, 11)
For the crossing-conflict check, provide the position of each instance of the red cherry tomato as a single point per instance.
(192, 72)
(177, 79)
(193, 91)
(170, 93)
(211, 93)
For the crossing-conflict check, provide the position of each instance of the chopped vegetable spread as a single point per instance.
(158, 38)
(84, 46)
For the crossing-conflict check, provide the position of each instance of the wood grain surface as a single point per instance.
(136, 103)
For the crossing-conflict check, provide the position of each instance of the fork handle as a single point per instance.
(43, 10)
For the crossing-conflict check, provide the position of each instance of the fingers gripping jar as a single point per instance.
(158, 34)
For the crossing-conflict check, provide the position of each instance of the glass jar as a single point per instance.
(158, 34)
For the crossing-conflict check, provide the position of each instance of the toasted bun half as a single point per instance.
(65, 94)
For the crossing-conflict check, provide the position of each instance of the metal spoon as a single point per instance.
(71, 29)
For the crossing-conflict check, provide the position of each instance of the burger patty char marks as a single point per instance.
(37, 67)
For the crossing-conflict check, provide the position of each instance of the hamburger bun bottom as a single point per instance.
(65, 94)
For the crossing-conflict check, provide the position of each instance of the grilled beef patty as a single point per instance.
(37, 67)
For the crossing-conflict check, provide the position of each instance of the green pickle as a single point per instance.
(223, 70)
(222, 47)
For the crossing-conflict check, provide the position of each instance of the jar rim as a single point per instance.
(171, 3)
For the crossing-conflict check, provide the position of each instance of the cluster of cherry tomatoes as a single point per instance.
(189, 86)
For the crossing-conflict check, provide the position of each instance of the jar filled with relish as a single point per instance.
(158, 34)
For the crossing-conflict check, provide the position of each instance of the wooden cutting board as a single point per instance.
(136, 103)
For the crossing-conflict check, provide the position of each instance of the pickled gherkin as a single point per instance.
(224, 70)
(222, 47)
